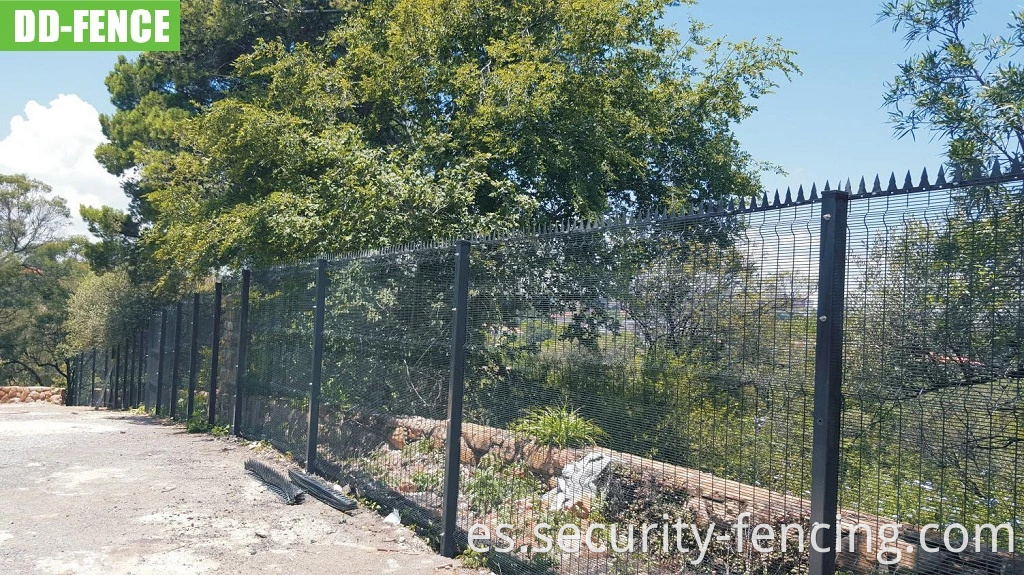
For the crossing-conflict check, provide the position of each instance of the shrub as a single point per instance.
(491, 485)
(559, 427)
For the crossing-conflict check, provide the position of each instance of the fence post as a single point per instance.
(211, 403)
(193, 359)
(76, 367)
(106, 377)
(125, 369)
(828, 373)
(129, 371)
(133, 384)
(318, 367)
(243, 347)
(92, 380)
(143, 358)
(453, 440)
(160, 361)
(177, 360)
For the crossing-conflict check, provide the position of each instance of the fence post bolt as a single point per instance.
(828, 373)
(318, 357)
(211, 418)
(243, 348)
(453, 440)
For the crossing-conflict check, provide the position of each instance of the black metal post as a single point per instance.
(828, 374)
(318, 367)
(129, 378)
(143, 359)
(193, 360)
(125, 389)
(92, 382)
(160, 361)
(243, 348)
(177, 360)
(106, 377)
(453, 441)
(211, 403)
(117, 377)
(76, 366)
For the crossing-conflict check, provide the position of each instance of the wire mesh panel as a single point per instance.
(279, 357)
(934, 325)
(204, 358)
(385, 379)
(152, 379)
(228, 351)
(177, 371)
(640, 374)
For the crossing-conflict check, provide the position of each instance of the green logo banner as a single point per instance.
(90, 25)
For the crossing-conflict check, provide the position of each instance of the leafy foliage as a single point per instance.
(405, 120)
(967, 92)
(105, 308)
(558, 426)
(38, 271)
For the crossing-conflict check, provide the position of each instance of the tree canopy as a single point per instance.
(39, 269)
(970, 93)
(373, 124)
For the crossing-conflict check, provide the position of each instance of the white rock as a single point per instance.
(393, 519)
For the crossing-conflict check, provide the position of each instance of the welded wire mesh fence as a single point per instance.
(854, 350)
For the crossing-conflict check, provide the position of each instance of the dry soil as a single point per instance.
(90, 492)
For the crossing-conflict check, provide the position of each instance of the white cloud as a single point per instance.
(55, 144)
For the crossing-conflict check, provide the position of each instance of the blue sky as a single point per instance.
(825, 124)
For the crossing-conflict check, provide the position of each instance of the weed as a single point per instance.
(219, 430)
(558, 427)
(492, 484)
(425, 481)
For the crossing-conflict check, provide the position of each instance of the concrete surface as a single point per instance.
(89, 492)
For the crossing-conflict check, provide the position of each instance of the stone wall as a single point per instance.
(711, 497)
(16, 394)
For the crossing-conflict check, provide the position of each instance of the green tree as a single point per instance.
(971, 93)
(105, 308)
(419, 119)
(156, 92)
(38, 271)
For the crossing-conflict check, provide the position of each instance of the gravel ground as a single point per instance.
(90, 492)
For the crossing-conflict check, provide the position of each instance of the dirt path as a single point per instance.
(103, 493)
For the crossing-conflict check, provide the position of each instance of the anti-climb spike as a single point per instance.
(777, 200)
(924, 178)
(1015, 165)
(827, 188)
(743, 204)
(876, 188)
(996, 172)
(940, 179)
(862, 188)
(848, 187)
(892, 183)
(908, 182)
(800, 194)
(976, 172)
(789, 196)
(814, 192)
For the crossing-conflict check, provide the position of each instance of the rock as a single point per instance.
(578, 481)
(398, 438)
(394, 518)
(466, 455)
